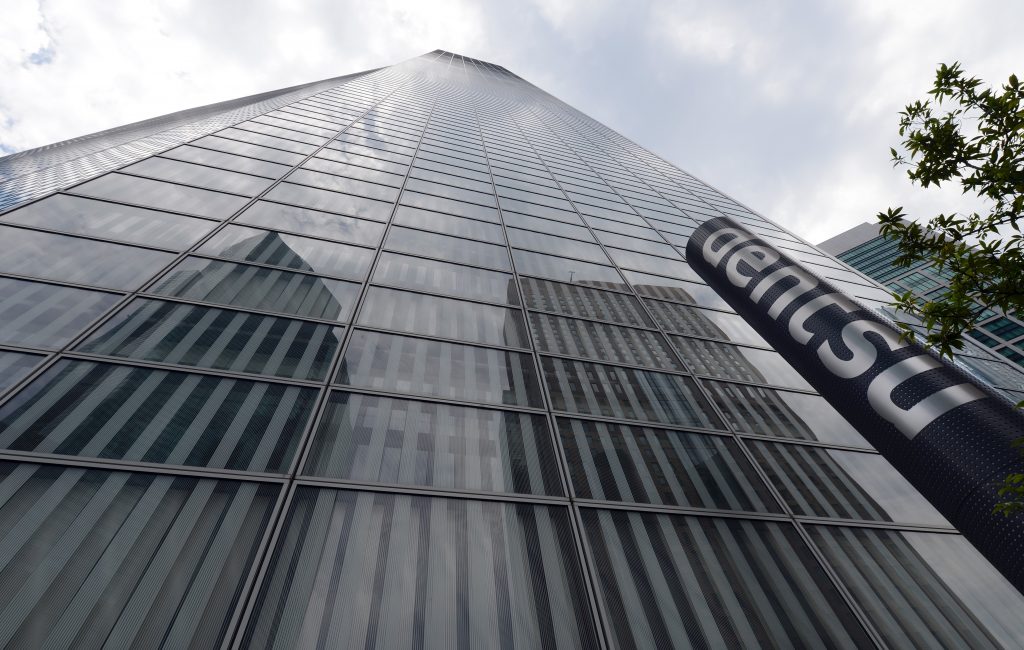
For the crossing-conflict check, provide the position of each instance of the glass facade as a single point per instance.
(416, 360)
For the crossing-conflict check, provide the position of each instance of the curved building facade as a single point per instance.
(413, 358)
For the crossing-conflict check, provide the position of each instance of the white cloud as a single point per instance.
(791, 107)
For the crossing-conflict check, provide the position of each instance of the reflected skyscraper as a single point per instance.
(413, 358)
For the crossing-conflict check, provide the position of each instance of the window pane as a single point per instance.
(676, 468)
(388, 440)
(691, 293)
(256, 287)
(563, 269)
(246, 149)
(445, 278)
(439, 573)
(38, 315)
(81, 216)
(158, 194)
(448, 370)
(703, 322)
(151, 560)
(753, 409)
(924, 590)
(583, 302)
(847, 484)
(223, 160)
(603, 342)
(199, 175)
(15, 366)
(652, 264)
(443, 317)
(101, 410)
(738, 362)
(449, 225)
(224, 339)
(546, 226)
(637, 244)
(449, 192)
(673, 581)
(289, 251)
(312, 222)
(343, 184)
(450, 206)
(347, 204)
(453, 249)
(612, 391)
(83, 261)
(544, 243)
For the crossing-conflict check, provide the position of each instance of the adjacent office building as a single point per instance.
(413, 359)
(864, 248)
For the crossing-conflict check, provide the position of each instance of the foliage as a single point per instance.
(973, 136)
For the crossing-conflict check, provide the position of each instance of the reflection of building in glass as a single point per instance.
(413, 358)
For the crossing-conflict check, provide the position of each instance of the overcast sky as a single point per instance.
(789, 107)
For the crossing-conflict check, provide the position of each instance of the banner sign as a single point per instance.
(946, 433)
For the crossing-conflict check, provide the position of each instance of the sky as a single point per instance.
(789, 107)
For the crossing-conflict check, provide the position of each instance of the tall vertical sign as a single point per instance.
(948, 435)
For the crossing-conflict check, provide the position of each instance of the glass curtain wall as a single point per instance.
(417, 361)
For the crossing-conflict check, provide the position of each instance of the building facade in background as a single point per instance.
(413, 358)
(863, 248)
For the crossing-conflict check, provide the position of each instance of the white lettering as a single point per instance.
(864, 351)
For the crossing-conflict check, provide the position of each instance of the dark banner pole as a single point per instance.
(946, 433)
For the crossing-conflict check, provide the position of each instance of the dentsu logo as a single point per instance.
(735, 247)
(949, 436)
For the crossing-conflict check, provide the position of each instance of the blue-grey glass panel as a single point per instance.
(563, 269)
(39, 315)
(453, 249)
(451, 192)
(602, 342)
(447, 224)
(584, 302)
(289, 251)
(313, 222)
(256, 287)
(211, 178)
(443, 317)
(674, 581)
(267, 140)
(768, 412)
(161, 195)
(245, 149)
(281, 130)
(343, 184)
(365, 169)
(450, 206)
(652, 264)
(544, 243)
(924, 590)
(546, 226)
(615, 462)
(318, 199)
(538, 210)
(101, 410)
(846, 484)
(439, 369)
(613, 391)
(82, 261)
(223, 339)
(703, 322)
(662, 288)
(420, 572)
(369, 159)
(623, 228)
(738, 362)
(223, 160)
(389, 440)
(640, 245)
(337, 150)
(15, 366)
(95, 559)
(83, 216)
(445, 278)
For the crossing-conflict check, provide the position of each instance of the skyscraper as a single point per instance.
(413, 358)
(863, 248)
